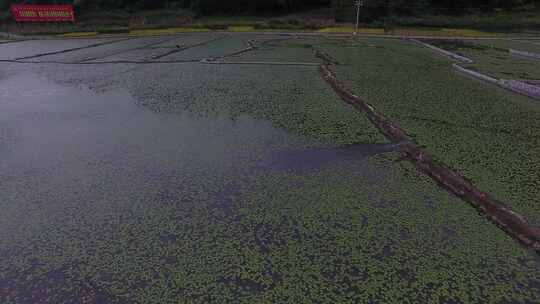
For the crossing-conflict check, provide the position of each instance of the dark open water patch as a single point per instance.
(224, 200)
(242, 286)
(49, 124)
(320, 158)
(53, 287)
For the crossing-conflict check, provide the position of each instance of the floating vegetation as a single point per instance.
(174, 204)
(488, 135)
(492, 58)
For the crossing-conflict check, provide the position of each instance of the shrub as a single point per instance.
(118, 30)
(217, 26)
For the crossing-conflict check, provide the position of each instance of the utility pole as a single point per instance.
(359, 4)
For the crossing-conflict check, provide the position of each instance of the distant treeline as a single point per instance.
(375, 9)
(202, 6)
(372, 7)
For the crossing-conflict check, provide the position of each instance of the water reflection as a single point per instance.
(318, 158)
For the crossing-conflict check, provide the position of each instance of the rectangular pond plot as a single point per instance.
(164, 50)
(473, 128)
(292, 97)
(215, 49)
(278, 54)
(506, 66)
(279, 50)
(29, 48)
(510, 44)
(103, 51)
(190, 39)
(441, 51)
(465, 48)
(492, 60)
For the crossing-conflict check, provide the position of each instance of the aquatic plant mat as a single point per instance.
(211, 168)
(499, 213)
(468, 67)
